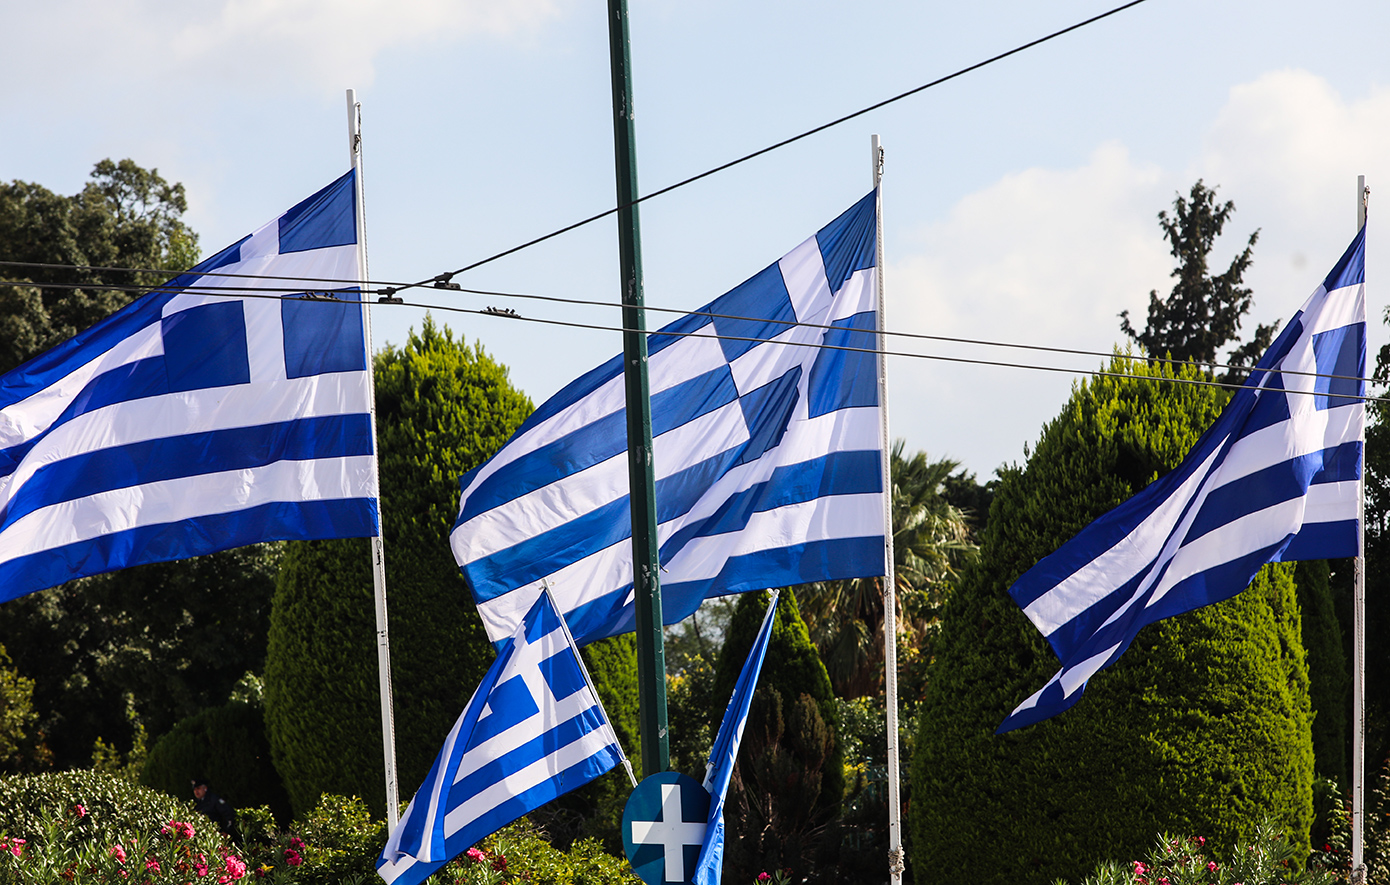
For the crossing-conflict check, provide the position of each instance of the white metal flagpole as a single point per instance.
(1358, 646)
(383, 641)
(890, 601)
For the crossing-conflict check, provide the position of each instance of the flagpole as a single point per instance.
(1358, 643)
(890, 600)
(646, 565)
(383, 642)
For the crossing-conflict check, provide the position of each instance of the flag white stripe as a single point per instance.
(188, 497)
(198, 411)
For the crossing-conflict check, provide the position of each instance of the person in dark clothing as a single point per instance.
(219, 810)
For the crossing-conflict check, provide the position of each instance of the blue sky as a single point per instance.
(1020, 201)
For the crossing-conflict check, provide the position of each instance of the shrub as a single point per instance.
(87, 827)
(1266, 859)
(521, 852)
(225, 745)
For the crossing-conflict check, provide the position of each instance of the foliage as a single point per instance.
(931, 541)
(1329, 687)
(125, 216)
(139, 649)
(1203, 724)
(1377, 452)
(16, 715)
(790, 780)
(689, 699)
(442, 408)
(1203, 312)
(225, 746)
(66, 851)
(112, 807)
(521, 852)
(1266, 859)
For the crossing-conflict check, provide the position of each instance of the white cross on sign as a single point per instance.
(671, 833)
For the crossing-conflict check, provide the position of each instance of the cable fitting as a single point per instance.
(388, 296)
(501, 312)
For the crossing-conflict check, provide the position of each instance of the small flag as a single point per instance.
(533, 730)
(210, 413)
(767, 448)
(1275, 479)
(724, 754)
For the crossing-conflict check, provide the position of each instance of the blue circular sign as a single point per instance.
(664, 826)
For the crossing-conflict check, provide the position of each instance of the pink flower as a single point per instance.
(119, 852)
(1139, 868)
(79, 811)
(296, 842)
(152, 864)
(235, 867)
(1211, 866)
(475, 855)
(764, 877)
(201, 869)
(292, 857)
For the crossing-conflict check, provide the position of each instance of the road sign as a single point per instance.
(663, 827)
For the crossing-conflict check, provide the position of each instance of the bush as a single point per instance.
(226, 746)
(86, 827)
(1266, 859)
(520, 852)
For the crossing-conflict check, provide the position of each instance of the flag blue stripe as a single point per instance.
(598, 441)
(279, 521)
(1350, 269)
(327, 218)
(849, 243)
(196, 454)
(1324, 540)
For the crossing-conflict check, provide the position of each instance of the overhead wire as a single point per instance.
(235, 291)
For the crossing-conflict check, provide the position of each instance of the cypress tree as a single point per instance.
(1329, 684)
(790, 777)
(443, 407)
(1202, 727)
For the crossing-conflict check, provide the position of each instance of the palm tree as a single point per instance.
(931, 542)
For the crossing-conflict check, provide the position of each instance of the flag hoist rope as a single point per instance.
(890, 602)
(383, 641)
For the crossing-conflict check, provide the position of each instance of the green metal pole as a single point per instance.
(651, 654)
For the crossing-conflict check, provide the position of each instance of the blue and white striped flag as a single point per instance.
(533, 730)
(767, 452)
(190, 422)
(1275, 479)
(709, 867)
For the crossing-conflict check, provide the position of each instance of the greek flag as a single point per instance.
(1275, 479)
(533, 730)
(768, 448)
(710, 865)
(190, 421)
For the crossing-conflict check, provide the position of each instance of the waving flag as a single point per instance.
(190, 422)
(533, 730)
(1274, 479)
(710, 865)
(767, 448)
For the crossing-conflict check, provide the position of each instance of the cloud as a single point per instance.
(1050, 256)
(227, 45)
(1045, 257)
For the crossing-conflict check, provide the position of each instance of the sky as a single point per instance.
(1020, 201)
